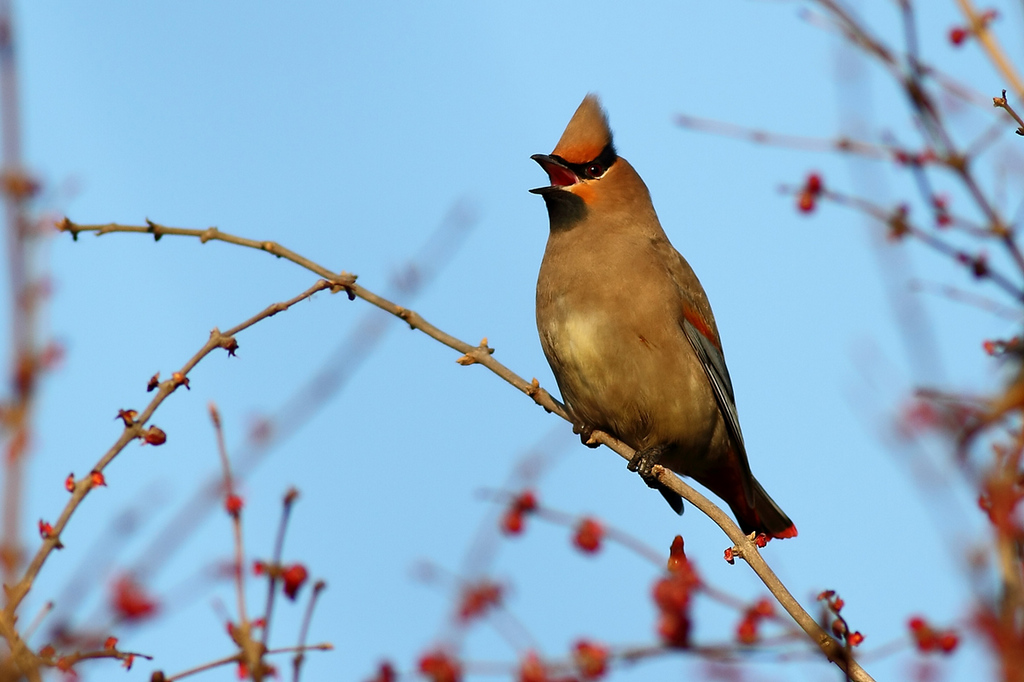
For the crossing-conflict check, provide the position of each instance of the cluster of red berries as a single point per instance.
(292, 577)
(746, 631)
(673, 595)
(513, 519)
(930, 639)
(477, 598)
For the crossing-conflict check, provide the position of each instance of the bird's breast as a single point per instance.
(634, 376)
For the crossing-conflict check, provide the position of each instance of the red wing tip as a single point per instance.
(786, 534)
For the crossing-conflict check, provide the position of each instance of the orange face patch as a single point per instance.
(584, 191)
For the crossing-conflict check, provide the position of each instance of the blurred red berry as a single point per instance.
(957, 35)
(131, 601)
(927, 638)
(763, 608)
(438, 666)
(477, 598)
(588, 535)
(674, 629)
(676, 555)
(948, 641)
(532, 669)
(512, 519)
(805, 202)
(746, 631)
(385, 673)
(233, 504)
(512, 522)
(293, 578)
(590, 658)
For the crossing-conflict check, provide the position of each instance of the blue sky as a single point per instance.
(347, 131)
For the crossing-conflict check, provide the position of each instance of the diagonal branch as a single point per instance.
(134, 430)
(991, 46)
(482, 354)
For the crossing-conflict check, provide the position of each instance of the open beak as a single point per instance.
(558, 173)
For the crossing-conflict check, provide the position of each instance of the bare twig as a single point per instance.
(134, 430)
(1002, 103)
(233, 505)
(481, 354)
(286, 511)
(307, 619)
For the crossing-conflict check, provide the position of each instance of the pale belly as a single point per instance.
(644, 386)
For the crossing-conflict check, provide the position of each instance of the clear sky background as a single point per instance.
(347, 132)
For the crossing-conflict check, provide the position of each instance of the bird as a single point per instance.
(628, 330)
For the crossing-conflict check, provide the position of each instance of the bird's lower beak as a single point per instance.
(558, 173)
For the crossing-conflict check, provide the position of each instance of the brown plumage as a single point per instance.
(628, 330)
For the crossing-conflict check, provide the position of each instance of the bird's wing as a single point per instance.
(705, 345)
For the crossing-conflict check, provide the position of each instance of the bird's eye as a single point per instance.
(595, 170)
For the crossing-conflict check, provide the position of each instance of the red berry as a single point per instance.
(588, 536)
(805, 202)
(294, 576)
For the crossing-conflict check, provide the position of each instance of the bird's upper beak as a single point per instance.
(559, 174)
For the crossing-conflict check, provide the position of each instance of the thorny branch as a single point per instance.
(133, 430)
(483, 355)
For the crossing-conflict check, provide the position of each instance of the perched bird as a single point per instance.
(628, 330)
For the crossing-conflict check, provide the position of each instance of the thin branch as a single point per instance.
(1001, 103)
(232, 503)
(286, 511)
(307, 619)
(801, 142)
(234, 658)
(16, 189)
(990, 45)
(132, 431)
(482, 355)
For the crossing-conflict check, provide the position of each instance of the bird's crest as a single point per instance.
(587, 134)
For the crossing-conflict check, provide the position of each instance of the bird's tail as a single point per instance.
(764, 516)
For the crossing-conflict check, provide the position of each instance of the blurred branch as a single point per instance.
(979, 26)
(17, 189)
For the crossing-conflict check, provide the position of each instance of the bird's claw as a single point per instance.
(586, 434)
(644, 461)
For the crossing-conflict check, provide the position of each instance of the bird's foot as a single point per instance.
(644, 461)
(585, 433)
